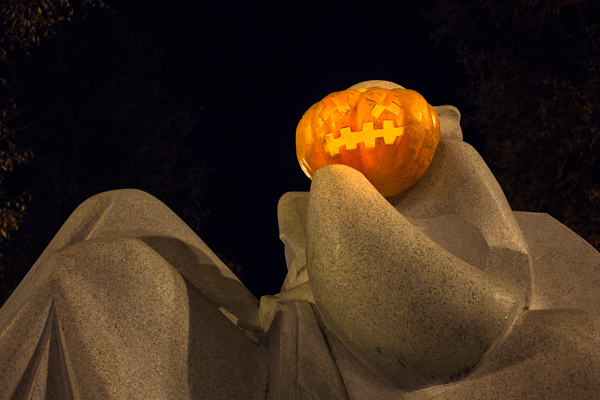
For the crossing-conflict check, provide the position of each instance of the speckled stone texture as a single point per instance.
(301, 364)
(550, 349)
(408, 309)
(550, 352)
(291, 216)
(376, 83)
(127, 302)
(442, 292)
(459, 204)
(566, 268)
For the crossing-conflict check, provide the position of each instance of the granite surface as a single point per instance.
(551, 351)
(301, 365)
(442, 292)
(558, 332)
(127, 302)
(291, 217)
(549, 354)
(405, 307)
(459, 204)
(566, 268)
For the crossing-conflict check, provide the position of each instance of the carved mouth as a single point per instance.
(334, 142)
(389, 133)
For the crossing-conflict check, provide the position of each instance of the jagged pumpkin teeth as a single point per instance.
(388, 135)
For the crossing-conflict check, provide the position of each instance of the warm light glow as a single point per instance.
(387, 102)
(335, 104)
(350, 139)
(388, 135)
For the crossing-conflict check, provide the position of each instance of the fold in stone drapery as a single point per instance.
(532, 356)
(419, 296)
(409, 310)
(48, 373)
(127, 302)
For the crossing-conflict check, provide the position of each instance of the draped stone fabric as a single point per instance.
(441, 292)
(127, 302)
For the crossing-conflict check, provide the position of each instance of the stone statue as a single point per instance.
(439, 292)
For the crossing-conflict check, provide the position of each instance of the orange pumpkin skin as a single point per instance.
(388, 135)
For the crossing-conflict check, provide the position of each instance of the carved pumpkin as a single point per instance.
(388, 135)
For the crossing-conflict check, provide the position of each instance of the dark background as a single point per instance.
(262, 68)
(197, 103)
(257, 68)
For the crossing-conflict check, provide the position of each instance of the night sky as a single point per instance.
(256, 67)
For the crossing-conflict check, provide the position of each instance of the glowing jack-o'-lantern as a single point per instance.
(388, 135)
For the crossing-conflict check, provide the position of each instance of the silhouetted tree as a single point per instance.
(534, 88)
(12, 204)
(23, 25)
